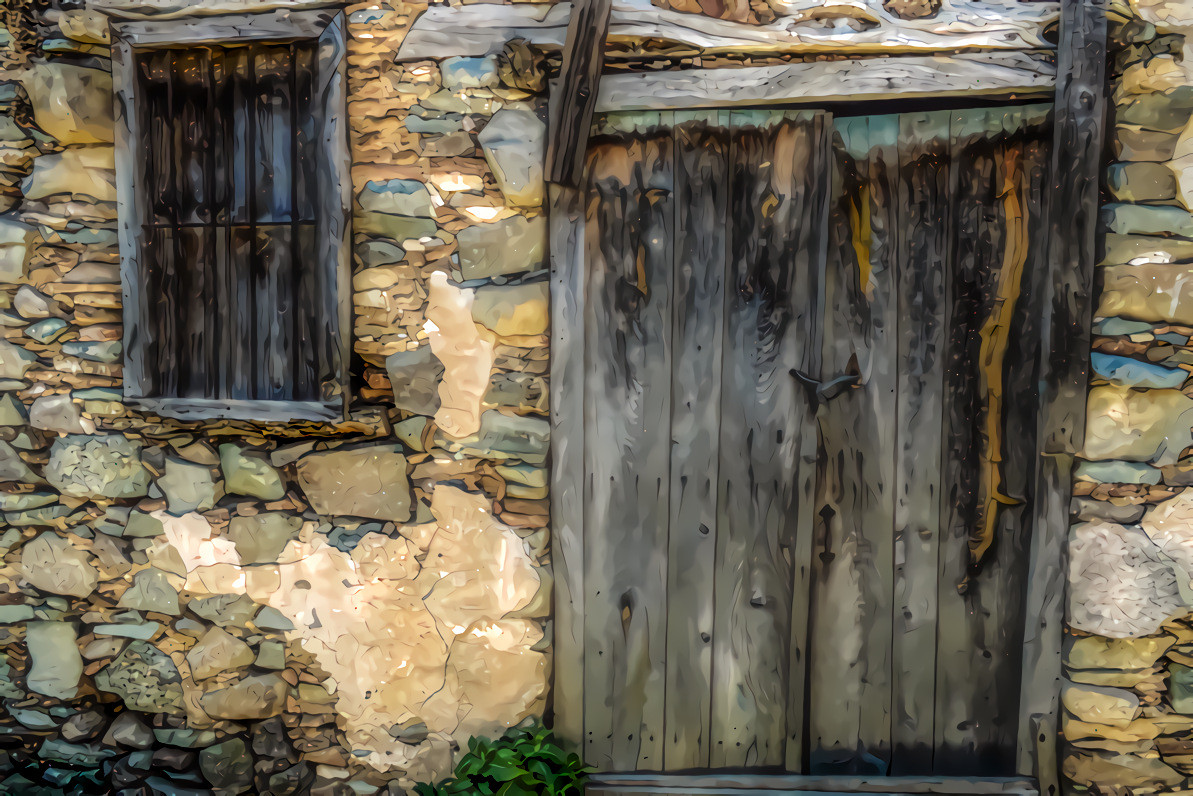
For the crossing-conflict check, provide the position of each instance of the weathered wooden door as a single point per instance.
(808, 439)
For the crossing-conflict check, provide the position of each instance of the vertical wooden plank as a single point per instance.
(1063, 302)
(568, 388)
(701, 240)
(989, 450)
(574, 96)
(779, 172)
(923, 200)
(977, 246)
(627, 414)
(852, 622)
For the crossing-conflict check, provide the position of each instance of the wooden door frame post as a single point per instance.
(574, 97)
(1064, 296)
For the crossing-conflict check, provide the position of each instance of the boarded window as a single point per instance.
(236, 248)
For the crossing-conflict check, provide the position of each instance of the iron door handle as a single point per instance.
(821, 392)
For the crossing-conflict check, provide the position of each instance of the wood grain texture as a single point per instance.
(574, 95)
(849, 715)
(984, 74)
(1063, 302)
(923, 202)
(779, 181)
(482, 29)
(701, 249)
(568, 379)
(629, 243)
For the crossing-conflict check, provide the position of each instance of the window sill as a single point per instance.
(260, 411)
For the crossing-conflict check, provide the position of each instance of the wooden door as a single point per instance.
(804, 491)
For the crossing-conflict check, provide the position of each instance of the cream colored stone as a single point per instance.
(85, 26)
(1160, 73)
(218, 651)
(1114, 706)
(494, 678)
(1148, 292)
(1093, 652)
(51, 563)
(1137, 425)
(79, 172)
(1170, 526)
(255, 697)
(1120, 586)
(380, 557)
(71, 103)
(466, 355)
(512, 310)
(16, 240)
(1166, 15)
(358, 482)
(479, 568)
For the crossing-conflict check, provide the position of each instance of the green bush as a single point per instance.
(526, 761)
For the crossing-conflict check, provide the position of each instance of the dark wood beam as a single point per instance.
(574, 95)
(1063, 296)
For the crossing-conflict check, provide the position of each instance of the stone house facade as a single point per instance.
(335, 606)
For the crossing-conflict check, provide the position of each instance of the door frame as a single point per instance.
(1063, 299)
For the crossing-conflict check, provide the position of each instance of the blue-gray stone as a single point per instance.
(46, 331)
(1174, 338)
(22, 501)
(1147, 219)
(463, 72)
(11, 614)
(142, 632)
(82, 755)
(99, 394)
(1132, 372)
(1116, 472)
(447, 123)
(107, 351)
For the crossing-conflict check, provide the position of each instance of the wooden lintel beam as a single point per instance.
(574, 95)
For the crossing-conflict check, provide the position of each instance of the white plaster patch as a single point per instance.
(467, 357)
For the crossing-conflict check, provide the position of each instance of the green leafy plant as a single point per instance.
(526, 761)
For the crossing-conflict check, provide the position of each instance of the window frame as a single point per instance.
(334, 206)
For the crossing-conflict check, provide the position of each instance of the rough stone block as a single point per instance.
(59, 413)
(1165, 111)
(1093, 652)
(1148, 220)
(257, 697)
(398, 209)
(512, 310)
(187, 486)
(415, 376)
(1145, 249)
(51, 563)
(1133, 373)
(71, 103)
(1150, 292)
(151, 591)
(81, 172)
(503, 436)
(1180, 688)
(1113, 706)
(514, 143)
(15, 241)
(260, 539)
(511, 245)
(1114, 472)
(1138, 426)
(14, 360)
(362, 482)
(1139, 144)
(145, 678)
(461, 72)
(106, 466)
(218, 651)
(247, 472)
(1120, 585)
(1141, 182)
(56, 664)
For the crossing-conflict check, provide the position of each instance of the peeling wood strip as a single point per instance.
(1064, 297)
(566, 218)
(483, 29)
(575, 94)
(856, 80)
(280, 27)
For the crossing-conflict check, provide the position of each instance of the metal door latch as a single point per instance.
(821, 392)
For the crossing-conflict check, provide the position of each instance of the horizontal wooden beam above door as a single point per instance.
(804, 26)
(988, 74)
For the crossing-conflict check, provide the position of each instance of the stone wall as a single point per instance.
(269, 608)
(1128, 697)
